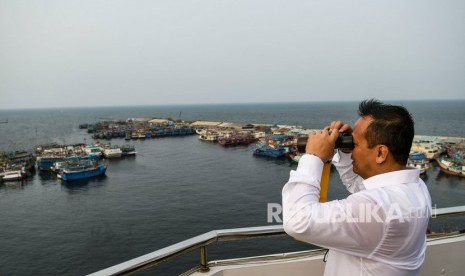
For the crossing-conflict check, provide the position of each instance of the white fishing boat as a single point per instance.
(200, 131)
(112, 151)
(450, 166)
(431, 149)
(210, 136)
(11, 175)
(128, 150)
(93, 149)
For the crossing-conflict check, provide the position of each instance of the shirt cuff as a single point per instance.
(342, 158)
(310, 165)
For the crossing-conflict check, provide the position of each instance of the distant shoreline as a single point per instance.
(286, 103)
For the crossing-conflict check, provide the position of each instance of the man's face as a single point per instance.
(364, 159)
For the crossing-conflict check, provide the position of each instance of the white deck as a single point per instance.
(444, 256)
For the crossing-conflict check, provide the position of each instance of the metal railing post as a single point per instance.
(203, 259)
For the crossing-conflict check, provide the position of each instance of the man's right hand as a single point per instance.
(321, 144)
(340, 126)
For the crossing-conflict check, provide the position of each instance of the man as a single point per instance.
(380, 229)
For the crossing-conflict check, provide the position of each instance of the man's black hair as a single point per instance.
(392, 126)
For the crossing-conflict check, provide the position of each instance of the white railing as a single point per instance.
(202, 241)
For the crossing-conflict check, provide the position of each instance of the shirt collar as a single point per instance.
(392, 178)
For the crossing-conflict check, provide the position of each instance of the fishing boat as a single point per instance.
(82, 170)
(70, 161)
(45, 163)
(23, 160)
(128, 150)
(210, 136)
(200, 131)
(93, 149)
(453, 163)
(235, 140)
(112, 151)
(419, 161)
(47, 155)
(431, 149)
(266, 151)
(58, 166)
(186, 131)
(12, 175)
(451, 166)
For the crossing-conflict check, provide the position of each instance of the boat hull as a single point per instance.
(268, 153)
(11, 176)
(112, 153)
(70, 176)
(450, 170)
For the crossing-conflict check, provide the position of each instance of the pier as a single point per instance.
(271, 141)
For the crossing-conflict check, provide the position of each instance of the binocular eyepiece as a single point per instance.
(344, 141)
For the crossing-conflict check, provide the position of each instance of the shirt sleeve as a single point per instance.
(335, 225)
(343, 163)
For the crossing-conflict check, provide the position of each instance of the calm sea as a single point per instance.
(176, 188)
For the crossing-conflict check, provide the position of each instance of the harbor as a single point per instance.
(137, 134)
(272, 141)
(172, 189)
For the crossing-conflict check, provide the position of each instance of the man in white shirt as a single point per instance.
(380, 229)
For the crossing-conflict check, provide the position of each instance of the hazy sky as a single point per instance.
(152, 52)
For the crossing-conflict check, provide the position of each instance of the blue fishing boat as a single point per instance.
(82, 170)
(47, 162)
(72, 161)
(419, 161)
(267, 151)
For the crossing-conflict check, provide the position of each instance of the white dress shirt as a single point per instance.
(380, 229)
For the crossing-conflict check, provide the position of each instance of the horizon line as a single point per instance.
(224, 103)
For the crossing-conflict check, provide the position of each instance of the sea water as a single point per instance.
(174, 189)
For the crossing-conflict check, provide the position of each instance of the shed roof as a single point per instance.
(158, 121)
(139, 119)
(205, 124)
(231, 125)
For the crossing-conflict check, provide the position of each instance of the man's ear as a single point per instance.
(382, 153)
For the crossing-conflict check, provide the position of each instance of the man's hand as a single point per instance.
(340, 126)
(322, 144)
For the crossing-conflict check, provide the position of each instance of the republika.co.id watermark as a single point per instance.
(363, 213)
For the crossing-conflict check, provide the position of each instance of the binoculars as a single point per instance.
(344, 141)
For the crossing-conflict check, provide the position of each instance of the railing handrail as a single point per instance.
(448, 211)
(201, 241)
